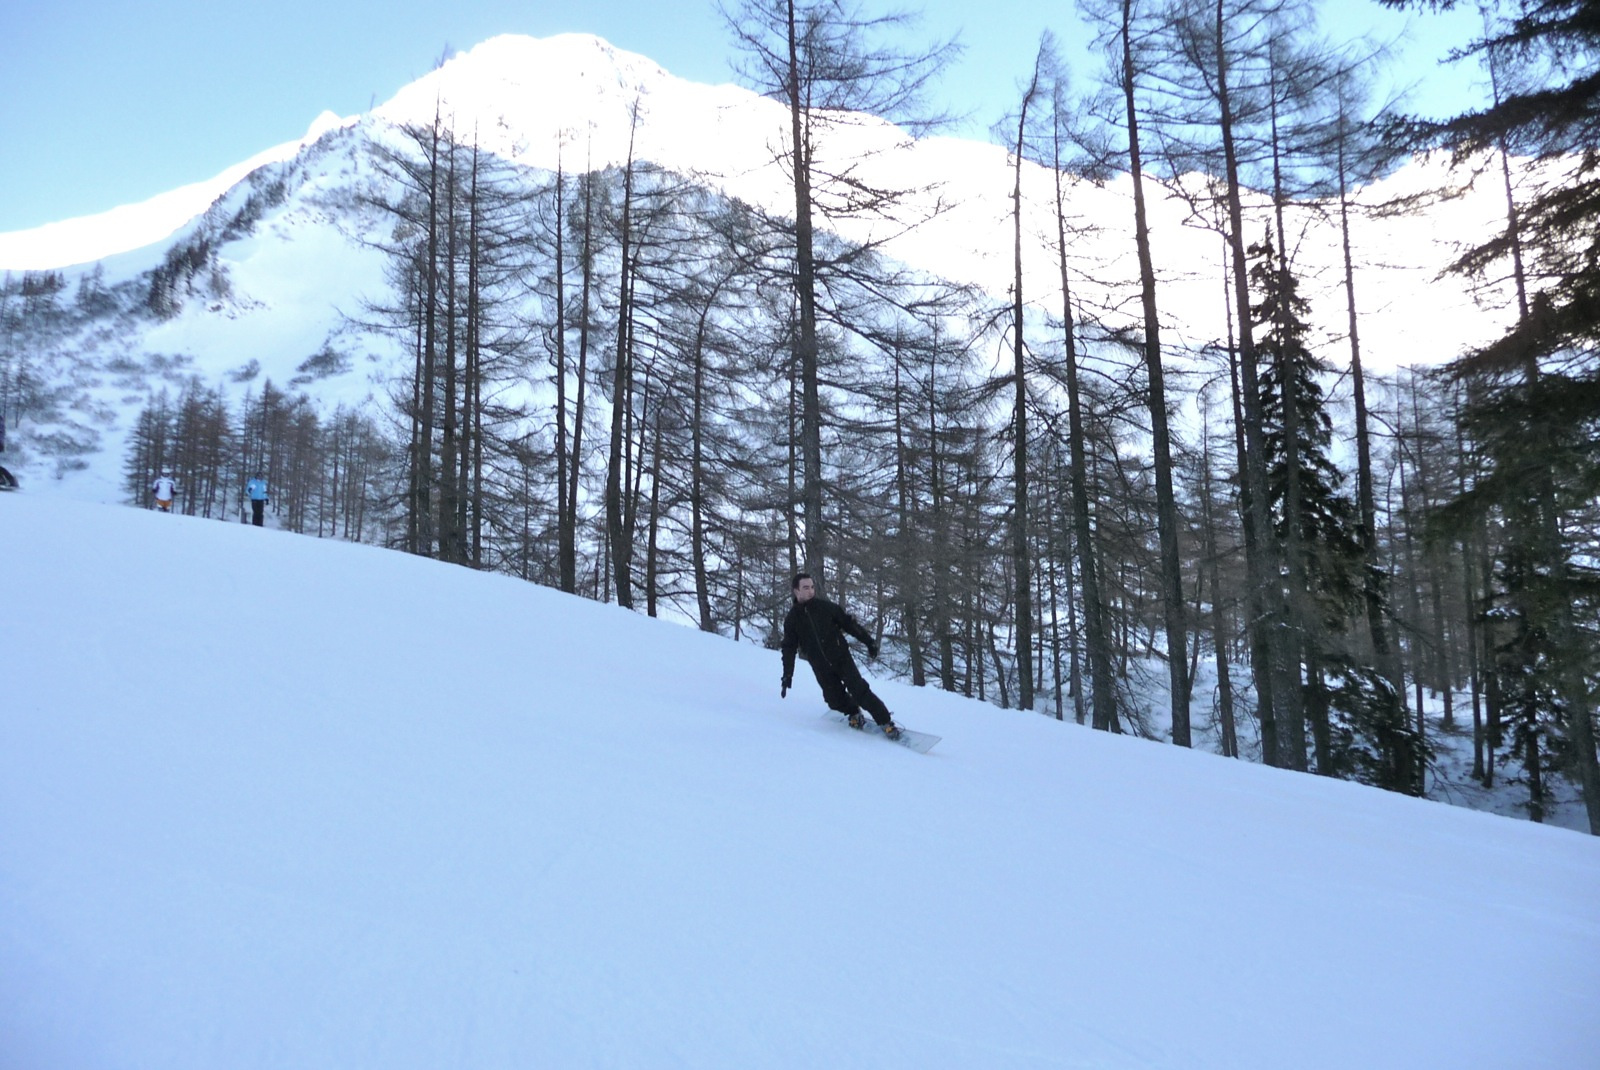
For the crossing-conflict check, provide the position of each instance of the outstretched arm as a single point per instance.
(853, 627)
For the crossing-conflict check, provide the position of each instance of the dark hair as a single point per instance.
(795, 586)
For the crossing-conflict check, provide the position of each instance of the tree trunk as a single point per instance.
(1261, 562)
(449, 532)
(1383, 646)
(1303, 642)
(566, 505)
(1096, 638)
(697, 523)
(1219, 628)
(1161, 442)
(1022, 590)
(586, 304)
(617, 529)
(806, 295)
(423, 484)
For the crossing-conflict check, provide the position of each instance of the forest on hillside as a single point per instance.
(629, 387)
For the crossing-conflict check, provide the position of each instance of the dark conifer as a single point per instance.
(1535, 391)
(1356, 722)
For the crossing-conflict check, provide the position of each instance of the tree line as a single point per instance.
(327, 476)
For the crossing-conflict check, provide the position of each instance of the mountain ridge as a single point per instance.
(81, 241)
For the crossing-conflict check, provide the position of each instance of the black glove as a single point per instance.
(872, 649)
(785, 692)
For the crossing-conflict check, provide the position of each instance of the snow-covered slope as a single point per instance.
(278, 801)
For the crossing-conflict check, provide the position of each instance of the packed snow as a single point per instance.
(274, 801)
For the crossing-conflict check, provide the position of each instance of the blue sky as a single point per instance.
(110, 102)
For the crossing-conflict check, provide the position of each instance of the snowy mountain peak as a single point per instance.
(525, 97)
(573, 55)
(523, 76)
(325, 122)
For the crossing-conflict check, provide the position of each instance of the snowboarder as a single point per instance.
(163, 488)
(257, 490)
(816, 628)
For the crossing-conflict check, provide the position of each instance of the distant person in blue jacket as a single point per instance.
(256, 490)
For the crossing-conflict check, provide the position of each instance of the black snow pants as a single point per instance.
(846, 690)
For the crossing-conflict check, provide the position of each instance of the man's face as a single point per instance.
(804, 591)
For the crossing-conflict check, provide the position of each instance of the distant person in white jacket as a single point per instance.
(163, 489)
(256, 491)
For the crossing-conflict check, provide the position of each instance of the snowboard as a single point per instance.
(921, 742)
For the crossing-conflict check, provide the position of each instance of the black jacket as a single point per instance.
(817, 629)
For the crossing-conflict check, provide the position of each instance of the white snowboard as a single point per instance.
(921, 742)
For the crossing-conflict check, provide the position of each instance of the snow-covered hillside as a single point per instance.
(135, 226)
(297, 278)
(278, 801)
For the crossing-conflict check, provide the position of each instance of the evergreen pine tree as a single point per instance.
(1355, 717)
